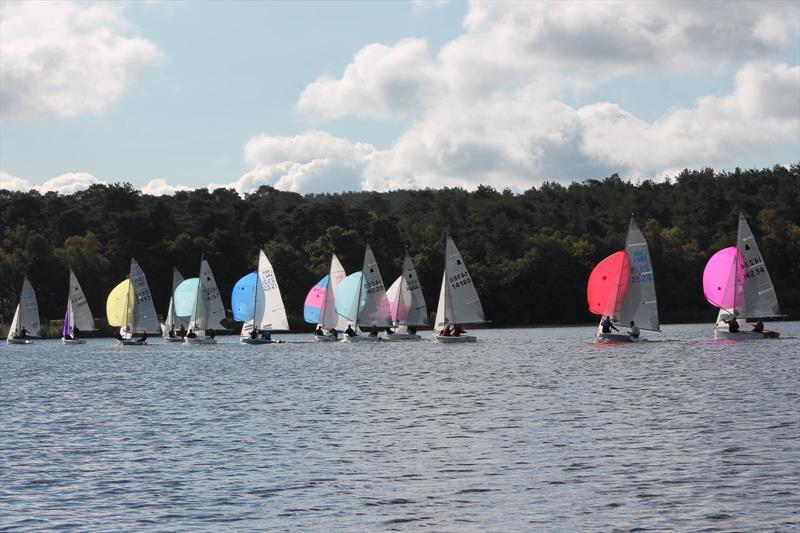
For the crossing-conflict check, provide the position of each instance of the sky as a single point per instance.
(334, 96)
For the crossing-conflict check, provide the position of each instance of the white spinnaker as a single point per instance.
(208, 309)
(639, 302)
(760, 299)
(144, 313)
(78, 306)
(329, 317)
(376, 306)
(458, 300)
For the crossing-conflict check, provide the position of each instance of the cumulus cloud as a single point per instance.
(61, 59)
(68, 183)
(160, 187)
(10, 182)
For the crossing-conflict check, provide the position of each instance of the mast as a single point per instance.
(197, 292)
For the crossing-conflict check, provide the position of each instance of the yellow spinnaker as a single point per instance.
(116, 310)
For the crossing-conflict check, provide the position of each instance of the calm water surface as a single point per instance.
(527, 430)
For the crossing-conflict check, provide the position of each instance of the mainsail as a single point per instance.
(458, 300)
(376, 307)
(639, 302)
(208, 310)
(320, 306)
(78, 313)
(144, 313)
(406, 301)
(760, 299)
(26, 314)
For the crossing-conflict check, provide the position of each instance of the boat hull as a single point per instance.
(19, 341)
(402, 337)
(72, 341)
(360, 338)
(199, 340)
(745, 335)
(131, 342)
(615, 337)
(248, 340)
(324, 338)
(173, 339)
(450, 339)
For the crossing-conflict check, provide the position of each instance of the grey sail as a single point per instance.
(639, 302)
(760, 299)
(144, 313)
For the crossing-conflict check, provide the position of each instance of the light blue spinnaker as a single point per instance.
(185, 296)
(351, 296)
(243, 297)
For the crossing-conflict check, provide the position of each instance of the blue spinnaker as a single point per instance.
(185, 295)
(350, 297)
(315, 301)
(243, 298)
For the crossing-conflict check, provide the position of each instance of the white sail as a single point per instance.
(458, 300)
(81, 315)
(760, 299)
(406, 301)
(144, 313)
(172, 321)
(208, 310)
(376, 306)
(270, 313)
(27, 313)
(329, 317)
(639, 302)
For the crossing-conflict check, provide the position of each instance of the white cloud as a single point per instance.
(69, 183)
(160, 187)
(10, 182)
(61, 59)
(381, 81)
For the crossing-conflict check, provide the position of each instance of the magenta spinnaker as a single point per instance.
(719, 281)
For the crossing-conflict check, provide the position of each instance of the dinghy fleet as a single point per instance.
(358, 308)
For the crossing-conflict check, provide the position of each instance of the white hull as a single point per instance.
(359, 338)
(173, 339)
(325, 338)
(73, 341)
(451, 339)
(402, 337)
(19, 341)
(615, 337)
(744, 335)
(248, 340)
(199, 340)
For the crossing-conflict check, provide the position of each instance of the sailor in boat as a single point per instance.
(171, 333)
(76, 332)
(607, 325)
(333, 332)
(266, 336)
(458, 331)
(143, 338)
(182, 331)
(210, 333)
(389, 331)
(350, 332)
(758, 327)
(191, 334)
(373, 331)
(318, 332)
(254, 334)
(445, 332)
(733, 325)
(634, 330)
(412, 330)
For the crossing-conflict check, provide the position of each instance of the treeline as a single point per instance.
(530, 254)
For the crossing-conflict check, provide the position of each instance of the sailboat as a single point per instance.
(459, 303)
(78, 316)
(320, 306)
(736, 281)
(622, 287)
(406, 303)
(361, 299)
(130, 306)
(173, 322)
(256, 300)
(26, 317)
(207, 309)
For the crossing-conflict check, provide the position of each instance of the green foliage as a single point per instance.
(530, 253)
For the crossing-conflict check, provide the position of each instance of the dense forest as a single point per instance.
(529, 254)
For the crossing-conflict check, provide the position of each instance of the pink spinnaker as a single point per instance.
(719, 280)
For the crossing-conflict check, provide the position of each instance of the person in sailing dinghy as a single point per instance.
(210, 333)
(318, 332)
(634, 330)
(733, 325)
(142, 338)
(333, 332)
(191, 334)
(758, 327)
(182, 331)
(171, 333)
(458, 331)
(350, 332)
(373, 331)
(607, 325)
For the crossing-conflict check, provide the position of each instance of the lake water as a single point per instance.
(526, 430)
